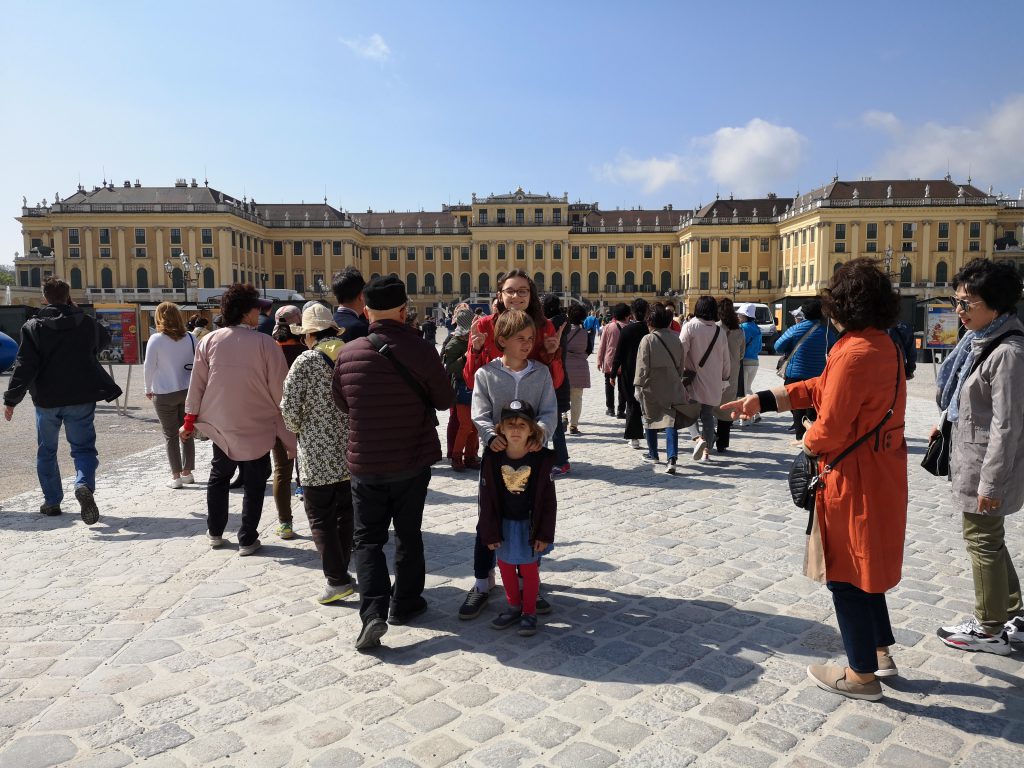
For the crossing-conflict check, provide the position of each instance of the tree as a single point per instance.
(6, 275)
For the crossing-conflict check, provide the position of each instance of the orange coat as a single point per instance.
(862, 509)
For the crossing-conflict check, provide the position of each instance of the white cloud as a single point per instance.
(882, 121)
(752, 159)
(651, 174)
(991, 150)
(372, 47)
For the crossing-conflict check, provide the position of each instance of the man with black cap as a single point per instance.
(390, 383)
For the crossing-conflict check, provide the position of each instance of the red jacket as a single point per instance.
(489, 351)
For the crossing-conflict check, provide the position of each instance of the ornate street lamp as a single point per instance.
(189, 271)
(263, 280)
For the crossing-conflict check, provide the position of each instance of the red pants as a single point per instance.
(466, 441)
(531, 585)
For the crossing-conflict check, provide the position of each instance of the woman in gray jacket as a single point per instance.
(658, 385)
(977, 385)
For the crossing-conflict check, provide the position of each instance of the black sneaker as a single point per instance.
(90, 512)
(397, 617)
(473, 605)
(374, 628)
(609, 412)
(543, 606)
(50, 510)
(507, 618)
(527, 625)
(620, 415)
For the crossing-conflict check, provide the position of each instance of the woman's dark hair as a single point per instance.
(727, 314)
(811, 309)
(620, 311)
(660, 316)
(860, 296)
(326, 333)
(706, 308)
(202, 322)
(551, 304)
(236, 302)
(640, 308)
(533, 309)
(998, 285)
(577, 314)
(283, 333)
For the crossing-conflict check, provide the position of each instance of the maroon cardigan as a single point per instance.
(545, 504)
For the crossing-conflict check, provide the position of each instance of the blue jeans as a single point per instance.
(671, 442)
(81, 435)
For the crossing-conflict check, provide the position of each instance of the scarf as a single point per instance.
(957, 366)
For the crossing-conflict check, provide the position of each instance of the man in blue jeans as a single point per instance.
(57, 365)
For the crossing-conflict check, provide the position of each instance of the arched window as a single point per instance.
(177, 279)
(593, 283)
(907, 274)
(485, 283)
(666, 282)
(611, 279)
(648, 281)
(142, 279)
(575, 283)
(556, 282)
(208, 278)
(465, 284)
(76, 278)
(34, 277)
(446, 284)
(629, 282)
(428, 282)
(538, 280)
(941, 273)
(375, 275)
(410, 283)
(106, 278)
(836, 267)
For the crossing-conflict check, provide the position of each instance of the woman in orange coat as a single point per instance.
(856, 545)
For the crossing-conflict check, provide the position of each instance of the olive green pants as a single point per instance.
(996, 586)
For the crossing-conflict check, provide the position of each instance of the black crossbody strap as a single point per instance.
(707, 352)
(384, 350)
(992, 348)
(670, 357)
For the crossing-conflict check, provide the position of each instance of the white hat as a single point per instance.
(746, 309)
(315, 318)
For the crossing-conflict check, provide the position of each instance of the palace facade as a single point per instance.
(126, 243)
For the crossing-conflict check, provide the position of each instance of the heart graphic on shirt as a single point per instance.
(515, 479)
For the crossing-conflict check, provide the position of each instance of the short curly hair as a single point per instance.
(236, 302)
(860, 296)
(998, 285)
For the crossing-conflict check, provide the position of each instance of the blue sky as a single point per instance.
(407, 105)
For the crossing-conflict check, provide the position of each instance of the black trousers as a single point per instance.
(329, 509)
(863, 619)
(376, 506)
(254, 475)
(610, 386)
(625, 392)
(634, 419)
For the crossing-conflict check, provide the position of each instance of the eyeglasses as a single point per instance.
(963, 304)
(522, 293)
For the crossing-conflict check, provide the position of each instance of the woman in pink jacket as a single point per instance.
(605, 357)
(237, 383)
(706, 352)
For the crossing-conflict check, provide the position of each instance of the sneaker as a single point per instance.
(886, 666)
(620, 415)
(527, 625)
(634, 443)
(473, 605)
(507, 619)
(398, 617)
(756, 418)
(650, 459)
(574, 431)
(374, 628)
(249, 549)
(298, 491)
(333, 593)
(284, 531)
(968, 636)
(90, 513)
(562, 470)
(188, 479)
(175, 482)
(831, 678)
(670, 467)
(543, 607)
(1014, 628)
(216, 542)
(50, 510)
(700, 449)
(609, 411)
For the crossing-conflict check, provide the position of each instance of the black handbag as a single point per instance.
(936, 456)
(804, 477)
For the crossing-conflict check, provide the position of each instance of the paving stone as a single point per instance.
(842, 752)
(162, 739)
(342, 757)
(900, 757)
(620, 734)
(14, 713)
(430, 715)
(207, 749)
(79, 712)
(775, 739)
(866, 728)
(729, 709)
(111, 759)
(37, 751)
(582, 755)
(437, 750)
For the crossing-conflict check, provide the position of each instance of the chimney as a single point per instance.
(137, 184)
(127, 184)
(180, 183)
(194, 184)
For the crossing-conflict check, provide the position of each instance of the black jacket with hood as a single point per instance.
(57, 362)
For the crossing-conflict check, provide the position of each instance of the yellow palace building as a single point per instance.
(133, 243)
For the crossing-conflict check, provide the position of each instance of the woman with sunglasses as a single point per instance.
(976, 387)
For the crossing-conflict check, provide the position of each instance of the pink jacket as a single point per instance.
(713, 378)
(237, 382)
(606, 349)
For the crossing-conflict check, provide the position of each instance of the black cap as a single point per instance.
(517, 409)
(385, 293)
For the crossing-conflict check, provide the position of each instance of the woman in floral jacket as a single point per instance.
(309, 411)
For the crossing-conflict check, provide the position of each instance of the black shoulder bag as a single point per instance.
(690, 375)
(804, 478)
(936, 456)
(384, 350)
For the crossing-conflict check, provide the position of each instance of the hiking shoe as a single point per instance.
(399, 616)
(968, 635)
(543, 607)
(508, 618)
(670, 467)
(284, 531)
(374, 628)
(527, 625)
(249, 549)
(175, 482)
(90, 512)
(831, 678)
(50, 510)
(216, 542)
(700, 449)
(1014, 628)
(650, 459)
(334, 593)
(886, 666)
(473, 605)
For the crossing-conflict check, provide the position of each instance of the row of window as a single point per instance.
(75, 252)
(520, 251)
(725, 244)
(30, 278)
(297, 248)
(75, 238)
(500, 217)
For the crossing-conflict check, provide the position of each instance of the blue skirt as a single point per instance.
(515, 546)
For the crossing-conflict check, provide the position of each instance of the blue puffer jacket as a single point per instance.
(809, 360)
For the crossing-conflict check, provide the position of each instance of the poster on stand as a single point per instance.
(122, 323)
(941, 329)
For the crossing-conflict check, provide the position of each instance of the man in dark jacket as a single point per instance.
(57, 365)
(265, 324)
(624, 369)
(390, 383)
(348, 290)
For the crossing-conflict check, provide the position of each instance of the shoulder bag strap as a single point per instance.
(707, 352)
(991, 348)
(803, 338)
(670, 357)
(384, 350)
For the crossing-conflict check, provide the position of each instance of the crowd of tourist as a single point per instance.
(347, 402)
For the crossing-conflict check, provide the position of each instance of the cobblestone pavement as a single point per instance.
(680, 633)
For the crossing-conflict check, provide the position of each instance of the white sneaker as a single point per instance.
(969, 635)
(216, 542)
(634, 443)
(175, 482)
(670, 468)
(699, 449)
(1015, 629)
(332, 593)
(249, 549)
(187, 479)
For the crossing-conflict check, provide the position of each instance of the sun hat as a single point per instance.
(314, 319)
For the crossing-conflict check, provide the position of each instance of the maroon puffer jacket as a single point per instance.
(391, 433)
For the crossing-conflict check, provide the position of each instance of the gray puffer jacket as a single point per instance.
(987, 452)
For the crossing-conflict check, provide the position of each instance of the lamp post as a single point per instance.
(887, 261)
(737, 286)
(189, 271)
(263, 282)
(321, 287)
